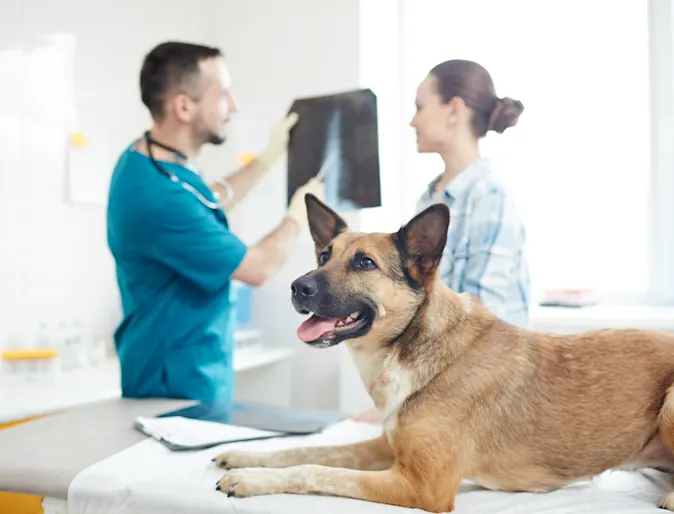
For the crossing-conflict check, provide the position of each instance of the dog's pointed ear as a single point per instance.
(324, 223)
(423, 240)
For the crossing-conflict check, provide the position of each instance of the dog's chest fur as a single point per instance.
(387, 382)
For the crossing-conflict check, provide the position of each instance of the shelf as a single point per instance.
(250, 358)
(651, 317)
(21, 399)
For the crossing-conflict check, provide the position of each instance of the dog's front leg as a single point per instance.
(375, 454)
(389, 486)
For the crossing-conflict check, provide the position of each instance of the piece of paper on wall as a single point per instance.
(91, 161)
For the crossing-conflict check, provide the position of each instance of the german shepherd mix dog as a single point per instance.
(462, 394)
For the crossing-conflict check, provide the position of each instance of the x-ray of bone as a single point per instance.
(336, 140)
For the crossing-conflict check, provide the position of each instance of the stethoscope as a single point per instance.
(208, 203)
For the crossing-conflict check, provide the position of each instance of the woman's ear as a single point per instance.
(455, 109)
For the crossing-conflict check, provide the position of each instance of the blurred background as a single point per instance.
(590, 164)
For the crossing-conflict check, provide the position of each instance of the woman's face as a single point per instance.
(435, 121)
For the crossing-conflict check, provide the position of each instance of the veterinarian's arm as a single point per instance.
(265, 259)
(496, 239)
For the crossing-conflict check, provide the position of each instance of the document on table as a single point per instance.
(178, 433)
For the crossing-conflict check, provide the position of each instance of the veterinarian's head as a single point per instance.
(456, 105)
(187, 89)
(367, 287)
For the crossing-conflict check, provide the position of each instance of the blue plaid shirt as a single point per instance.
(484, 252)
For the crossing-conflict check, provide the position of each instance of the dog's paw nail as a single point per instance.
(230, 493)
(214, 459)
(217, 487)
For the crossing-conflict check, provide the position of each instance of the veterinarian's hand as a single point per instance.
(297, 210)
(278, 141)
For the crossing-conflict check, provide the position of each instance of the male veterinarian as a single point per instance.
(169, 235)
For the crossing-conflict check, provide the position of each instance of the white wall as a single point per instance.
(54, 262)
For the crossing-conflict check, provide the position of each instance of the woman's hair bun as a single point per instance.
(505, 114)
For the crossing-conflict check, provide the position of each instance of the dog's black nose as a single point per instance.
(304, 287)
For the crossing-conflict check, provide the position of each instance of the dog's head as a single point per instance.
(367, 284)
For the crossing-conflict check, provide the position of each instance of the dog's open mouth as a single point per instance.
(320, 328)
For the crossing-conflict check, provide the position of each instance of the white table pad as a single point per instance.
(147, 478)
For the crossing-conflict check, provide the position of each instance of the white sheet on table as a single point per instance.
(150, 479)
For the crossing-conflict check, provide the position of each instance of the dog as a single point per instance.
(461, 393)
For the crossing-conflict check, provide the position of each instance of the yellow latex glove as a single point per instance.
(297, 210)
(278, 141)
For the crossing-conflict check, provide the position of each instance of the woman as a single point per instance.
(456, 107)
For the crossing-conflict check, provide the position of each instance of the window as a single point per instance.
(578, 162)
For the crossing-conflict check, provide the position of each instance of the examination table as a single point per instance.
(90, 460)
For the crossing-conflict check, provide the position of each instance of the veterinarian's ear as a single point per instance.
(423, 240)
(324, 223)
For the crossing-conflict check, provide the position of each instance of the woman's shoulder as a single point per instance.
(488, 181)
(491, 195)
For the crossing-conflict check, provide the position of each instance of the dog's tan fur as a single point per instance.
(463, 394)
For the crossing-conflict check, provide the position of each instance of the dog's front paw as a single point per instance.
(242, 483)
(239, 459)
(668, 502)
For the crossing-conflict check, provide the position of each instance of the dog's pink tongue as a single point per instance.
(315, 327)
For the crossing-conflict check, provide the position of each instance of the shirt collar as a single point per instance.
(464, 180)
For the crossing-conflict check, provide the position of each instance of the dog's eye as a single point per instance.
(365, 263)
(323, 257)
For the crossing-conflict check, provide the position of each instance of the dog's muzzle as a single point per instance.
(305, 292)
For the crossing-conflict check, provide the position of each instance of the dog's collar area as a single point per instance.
(410, 325)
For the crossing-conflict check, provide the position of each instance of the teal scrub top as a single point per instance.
(174, 259)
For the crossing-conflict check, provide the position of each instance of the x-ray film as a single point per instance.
(336, 140)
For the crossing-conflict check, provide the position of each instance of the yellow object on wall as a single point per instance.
(16, 503)
(245, 158)
(79, 140)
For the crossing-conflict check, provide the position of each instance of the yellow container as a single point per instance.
(30, 363)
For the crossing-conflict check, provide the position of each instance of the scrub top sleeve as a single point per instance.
(192, 241)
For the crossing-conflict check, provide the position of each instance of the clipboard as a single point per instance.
(222, 422)
(184, 434)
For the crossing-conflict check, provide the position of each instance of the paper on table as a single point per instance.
(184, 433)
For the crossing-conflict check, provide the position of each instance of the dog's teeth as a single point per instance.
(311, 313)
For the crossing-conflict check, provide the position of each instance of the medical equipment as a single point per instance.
(332, 158)
(345, 125)
(208, 203)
